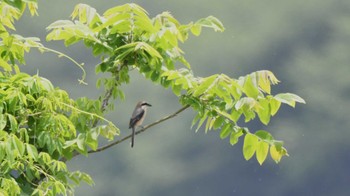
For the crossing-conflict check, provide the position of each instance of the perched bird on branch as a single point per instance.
(137, 118)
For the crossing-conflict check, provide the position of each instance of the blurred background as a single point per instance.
(305, 43)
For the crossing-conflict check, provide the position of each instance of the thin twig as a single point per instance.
(106, 99)
(140, 131)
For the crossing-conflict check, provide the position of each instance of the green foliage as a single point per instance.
(128, 39)
(41, 127)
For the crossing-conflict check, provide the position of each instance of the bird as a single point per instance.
(137, 118)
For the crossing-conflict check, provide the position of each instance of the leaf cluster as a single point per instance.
(39, 126)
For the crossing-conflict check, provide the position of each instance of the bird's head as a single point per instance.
(143, 104)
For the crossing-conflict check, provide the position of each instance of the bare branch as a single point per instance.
(140, 131)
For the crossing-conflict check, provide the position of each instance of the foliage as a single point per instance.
(41, 127)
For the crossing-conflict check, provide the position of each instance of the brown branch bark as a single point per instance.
(140, 131)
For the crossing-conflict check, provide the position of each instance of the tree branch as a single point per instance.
(106, 99)
(140, 131)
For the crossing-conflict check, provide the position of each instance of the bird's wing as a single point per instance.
(136, 116)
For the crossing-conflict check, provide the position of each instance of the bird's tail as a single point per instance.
(132, 137)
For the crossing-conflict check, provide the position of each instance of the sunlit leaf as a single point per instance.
(13, 122)
(32, 151)
(2, 121)
(264, 112)
(18, 144)
(249, 145)
(201, 121)
(205, 85)
(262, 149)
(275, 155)
(211, 22)
(225, 131)
(60, 24)
(209, 124)
(235, 135)
(5, 65)
(274, 105)
(289, 98)
(196, 29)
(250, 89)
(264, 135)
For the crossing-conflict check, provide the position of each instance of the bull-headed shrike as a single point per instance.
(137, 118)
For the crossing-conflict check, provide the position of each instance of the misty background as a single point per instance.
(305, 44)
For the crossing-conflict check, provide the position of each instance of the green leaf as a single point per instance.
(60, 24)
(5, 65)
(203, 118)
(249, 102)
(209, 124)
(91, 139)
(86, 13)
(235, 115)
(264, 135)
(235, 135)
(262, 149)
(264, 112)
(225, 131)
(81, 142)
(45, 158)
(218, 122)
(2, 121)
(18, 144)
(149, 49)
(69, 143)
(265, 78)
(277, 151)
(2, 151)
(155, 76)
(86, 178)
(289, 98)
(196, 29)
(248, 115)
(32, 152)
(177, 89)
(249, 145)
(211, 22)
(275, 154)
(274, 105)
(250, 89)
(205, 85)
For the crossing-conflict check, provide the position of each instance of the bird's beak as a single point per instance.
(148, 104)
